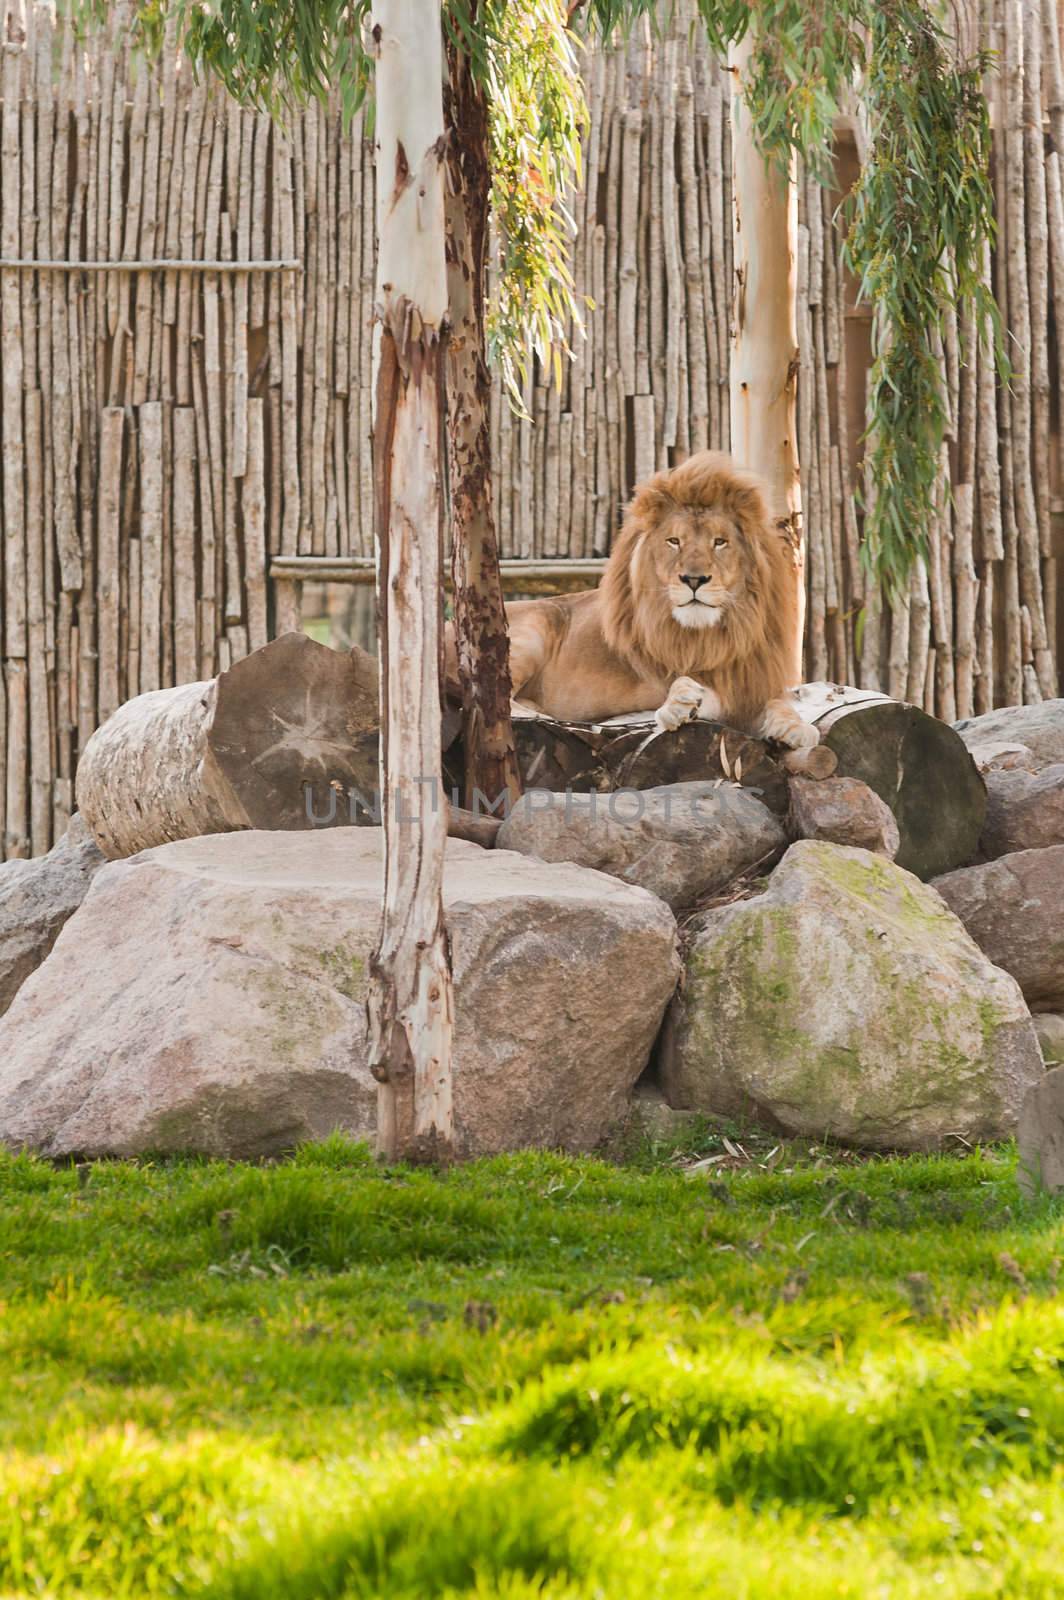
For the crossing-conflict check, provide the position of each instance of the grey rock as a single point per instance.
(682, 841)
(36, 899)
(1039, 728)
(1024, 810)
(848, 1002)
(1012, 908)
(1049, 1027)
(652, 1116)
(210, 996)
(1040, 1136)
(1003, 758)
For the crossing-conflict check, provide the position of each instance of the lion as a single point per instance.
(696, 615)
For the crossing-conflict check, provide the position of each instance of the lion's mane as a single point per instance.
(747, 658)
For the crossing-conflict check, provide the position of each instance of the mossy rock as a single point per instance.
(847, 1001)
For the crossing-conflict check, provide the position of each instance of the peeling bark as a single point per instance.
(411, 1009)
(764, 357)
(481, 637)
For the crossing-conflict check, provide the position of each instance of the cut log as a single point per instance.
(631, 752)
(918, 765)
(261, 746)
(145, 777)
(560, 755)
(694, 753)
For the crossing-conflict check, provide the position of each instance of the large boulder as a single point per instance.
(681, 841)
(847, 1002)
(1040, 1137)
(1039, 729)
(1024, 810)
(1011, 908)
(210, 996)
(843, 811)
(36, 899)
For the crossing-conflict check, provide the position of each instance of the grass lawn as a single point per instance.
(752, 1372)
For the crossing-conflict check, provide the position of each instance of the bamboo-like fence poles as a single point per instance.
(978, 626)
(185, 327)
(185, 293)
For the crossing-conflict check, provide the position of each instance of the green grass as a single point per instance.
(717, 1370)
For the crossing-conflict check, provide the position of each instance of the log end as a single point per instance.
(292, 717)
(820, 762)
(922, 769)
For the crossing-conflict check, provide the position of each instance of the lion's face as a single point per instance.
(701, 583)
(696, 556)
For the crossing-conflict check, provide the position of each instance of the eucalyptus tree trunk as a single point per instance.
(764, 354)
(411, 997)
(481, 637)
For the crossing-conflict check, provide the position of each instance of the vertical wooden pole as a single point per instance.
(254, 508)
(151, 542)
(186, 645)
(14, 590)
(109, 481)
(40, 747)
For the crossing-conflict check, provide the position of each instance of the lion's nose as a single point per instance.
(693, 580)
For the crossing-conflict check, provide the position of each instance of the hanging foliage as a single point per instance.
(267, 53)
(273, 54)
(921, 213)
(527, 59)
(918, 219)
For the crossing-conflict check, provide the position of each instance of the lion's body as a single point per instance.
(696, 614)
(560, 661)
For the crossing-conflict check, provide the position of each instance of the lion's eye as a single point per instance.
(675, 543)
(720, 544)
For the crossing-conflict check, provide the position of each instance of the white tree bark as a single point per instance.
(411, 1000)
(764, 356)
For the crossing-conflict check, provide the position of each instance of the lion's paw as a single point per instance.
(803, 737)
(684, 703)
(782, 724)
